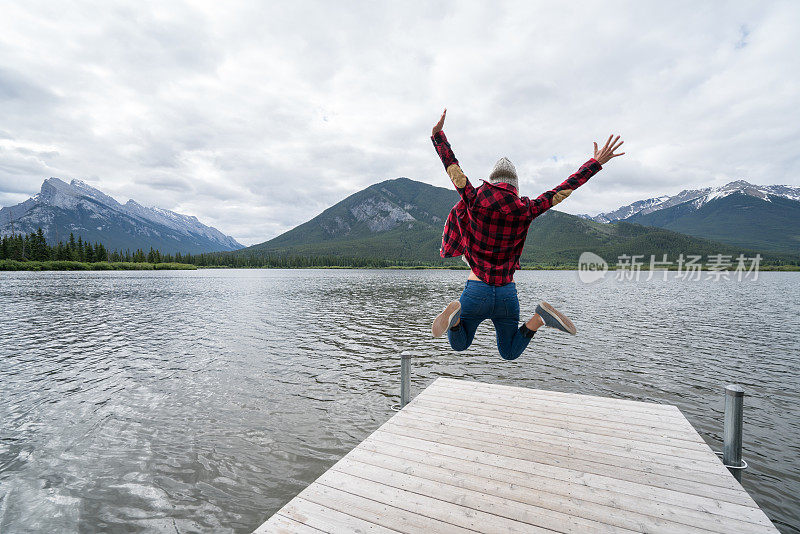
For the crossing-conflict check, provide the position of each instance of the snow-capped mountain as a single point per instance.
(759, 217)
(699, 196)
(62, 208)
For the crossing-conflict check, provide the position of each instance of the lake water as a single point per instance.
(204, 400)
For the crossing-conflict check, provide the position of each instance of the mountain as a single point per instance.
(739, 213)
(60, 208)
(401, 221)
(395, 220)
(643, 207)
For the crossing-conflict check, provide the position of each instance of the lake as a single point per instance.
(181, 401)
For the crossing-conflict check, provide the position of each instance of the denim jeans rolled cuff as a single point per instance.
(525, 331)
(457, 336)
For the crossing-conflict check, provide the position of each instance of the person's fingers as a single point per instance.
(620, 154)
(616, 146)
(609, 141)
(595, 147)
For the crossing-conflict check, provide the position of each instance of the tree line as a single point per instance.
(34, 247)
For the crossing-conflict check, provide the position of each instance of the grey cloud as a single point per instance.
(167, 183)
(15, 86)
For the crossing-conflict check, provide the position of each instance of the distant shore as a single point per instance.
(464, 268)
(13, 265)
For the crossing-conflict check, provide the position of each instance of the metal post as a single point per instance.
(732, 444)
(405, 378)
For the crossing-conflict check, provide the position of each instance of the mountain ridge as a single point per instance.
(765, 217)
(61, 208)
(401, 221)
(643, 207)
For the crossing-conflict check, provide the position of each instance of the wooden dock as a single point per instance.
(474, 457)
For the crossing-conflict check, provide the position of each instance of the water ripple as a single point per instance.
(204, 400)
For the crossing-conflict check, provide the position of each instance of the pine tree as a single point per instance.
(100, 252)
(62, 253)
(40, 251)
(88, 253)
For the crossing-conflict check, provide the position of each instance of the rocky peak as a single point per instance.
(699, 197)
(87, 211)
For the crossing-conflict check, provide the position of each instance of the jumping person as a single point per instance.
(488, 227)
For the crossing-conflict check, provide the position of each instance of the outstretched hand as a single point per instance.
(439, 125)
(607, 152)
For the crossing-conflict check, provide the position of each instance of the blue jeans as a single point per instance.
(481, 301)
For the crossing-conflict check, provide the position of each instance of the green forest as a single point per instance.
(32, 252)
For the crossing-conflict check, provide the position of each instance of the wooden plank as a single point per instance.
(592, 422)
(559, 504)
(745, 511)
(650, 477)
(532, 485)
(618, 432)
(425, 505)
(534, 440)
(673, 421)
(377, 512)
(525, 515)
(636, 410)
(649, 450)
(280, 524)
(582, 399)
(558, 434)
(328, 519)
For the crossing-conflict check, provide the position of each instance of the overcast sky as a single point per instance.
(256, 116)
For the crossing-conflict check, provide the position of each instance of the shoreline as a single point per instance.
(13, 265)
(61, 265)
(776, 268)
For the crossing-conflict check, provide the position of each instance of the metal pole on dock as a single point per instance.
(732, 443)
(405, 378)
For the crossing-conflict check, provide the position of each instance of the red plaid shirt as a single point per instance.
(489, 224)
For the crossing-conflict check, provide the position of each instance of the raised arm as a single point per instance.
(550, 198)
(457, 176)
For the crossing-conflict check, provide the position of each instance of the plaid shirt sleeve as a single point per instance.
(457, 176)
(548, 199)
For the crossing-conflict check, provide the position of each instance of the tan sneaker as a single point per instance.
(446, 319)
(554, 318)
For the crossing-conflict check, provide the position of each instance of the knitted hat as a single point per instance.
(505, 172)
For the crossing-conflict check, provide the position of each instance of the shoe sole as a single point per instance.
(442, 321)
(560, 317)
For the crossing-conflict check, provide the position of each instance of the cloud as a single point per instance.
(257, 117)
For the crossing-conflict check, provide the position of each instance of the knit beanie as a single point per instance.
(505, 172)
